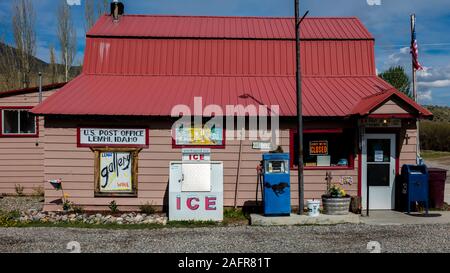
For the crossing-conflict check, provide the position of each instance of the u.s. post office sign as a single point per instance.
(113, 137)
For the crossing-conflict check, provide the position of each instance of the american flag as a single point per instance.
(415, 49)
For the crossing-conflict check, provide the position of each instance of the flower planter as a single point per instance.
(336, 206)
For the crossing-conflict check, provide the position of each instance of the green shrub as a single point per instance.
(77, 209)
(147, 208)
(38, 191)
(113, 206)
(232, 213)
(435, 136)
(19, 189)
(9, 219)
(67, 205)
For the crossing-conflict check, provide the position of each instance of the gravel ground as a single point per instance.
(339, 238)
(21, 203)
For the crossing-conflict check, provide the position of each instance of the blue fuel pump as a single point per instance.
(276, 184)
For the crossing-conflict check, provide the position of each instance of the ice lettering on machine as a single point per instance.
(197, 202)
(115, 171)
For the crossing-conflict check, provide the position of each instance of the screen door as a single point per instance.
(378, 170)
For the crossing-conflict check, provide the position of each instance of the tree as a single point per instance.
(23, 21)
(397, 77)
(102, 7)
(67, 37)
(53, 67)
(89, 14)
(93, 9)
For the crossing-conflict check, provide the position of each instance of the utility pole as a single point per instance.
(298, 78)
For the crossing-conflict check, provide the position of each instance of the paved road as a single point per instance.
(339, 238)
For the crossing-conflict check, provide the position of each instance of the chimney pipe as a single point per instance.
(117, 10)
(40, 87)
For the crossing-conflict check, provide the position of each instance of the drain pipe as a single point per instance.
(40, 87)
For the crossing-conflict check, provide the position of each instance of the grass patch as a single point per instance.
(232, 216)
(427, 154)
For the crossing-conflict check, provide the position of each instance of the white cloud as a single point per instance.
(425, 96)
(405, 50)
(74, 2)
(434, 77)
(401, 57)
(435, 84)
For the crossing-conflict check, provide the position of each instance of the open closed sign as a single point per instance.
(318, 147)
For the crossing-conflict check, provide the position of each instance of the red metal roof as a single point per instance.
(128, 56)
(372, 102)
(159, 62)
(156, 95)
(229, 27)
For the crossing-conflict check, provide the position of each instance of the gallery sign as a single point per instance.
(112, 137)
(116, 171)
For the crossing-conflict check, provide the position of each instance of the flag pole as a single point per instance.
(414, 86)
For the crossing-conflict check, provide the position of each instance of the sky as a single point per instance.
(387, 20)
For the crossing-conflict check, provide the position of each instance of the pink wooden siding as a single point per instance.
(390, 107)
(21, 158)
(75, 166)
(409, 148)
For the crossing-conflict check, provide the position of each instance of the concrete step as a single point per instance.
(295, 219)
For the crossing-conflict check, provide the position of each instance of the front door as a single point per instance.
(378, 171)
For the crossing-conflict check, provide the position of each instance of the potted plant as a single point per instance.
(336, 201)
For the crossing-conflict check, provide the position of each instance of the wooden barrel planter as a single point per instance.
(336, 206)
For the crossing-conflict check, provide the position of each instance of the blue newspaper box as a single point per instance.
(277, 185)
(415, 185)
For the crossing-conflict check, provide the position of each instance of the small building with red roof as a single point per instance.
(143, 72)
(21, 140)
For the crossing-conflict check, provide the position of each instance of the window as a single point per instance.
(18, 122)
(325, 149)
(116, 172)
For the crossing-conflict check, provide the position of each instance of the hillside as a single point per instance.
(435, 134)
(37, 65)
(441, 113)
